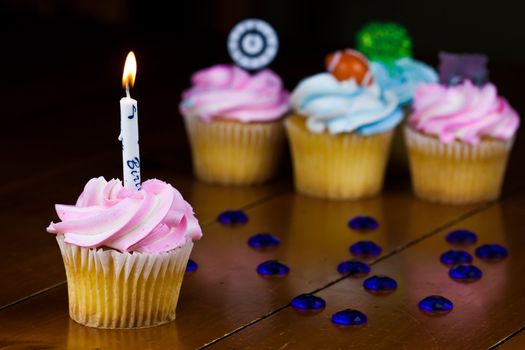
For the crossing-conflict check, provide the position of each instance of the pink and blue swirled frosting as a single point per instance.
(229, 92)
(463, 112)
(152, 220)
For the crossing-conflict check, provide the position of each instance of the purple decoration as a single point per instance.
(363, 223)
(456, 257)
(263, 240)
(491, 252)
(365, 249)
(191, 266)
(272, 268)
(349, 317)
(436, 305)
(307, 302)
(233, 217)
(353, 268)
(454, 69)
(461, 237)
(465, 273)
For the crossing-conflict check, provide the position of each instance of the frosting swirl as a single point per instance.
(229, 92)
(154, 219)
(344, 106)
(463, 112)
(403, 77)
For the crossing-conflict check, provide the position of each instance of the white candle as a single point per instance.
(129, 128)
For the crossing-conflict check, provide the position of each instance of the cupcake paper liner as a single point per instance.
(235, 153)
(110, 289)
(456, 173)
(344, 166)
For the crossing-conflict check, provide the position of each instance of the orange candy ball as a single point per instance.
(347, 64)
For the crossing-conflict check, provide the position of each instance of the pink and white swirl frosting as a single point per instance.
(154, 219)
(229, 92)
(463, 112)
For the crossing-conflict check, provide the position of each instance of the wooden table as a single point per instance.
(225, 304)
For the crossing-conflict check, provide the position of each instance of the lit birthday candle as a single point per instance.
(129, 128)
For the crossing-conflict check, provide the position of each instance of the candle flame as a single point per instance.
(130, 70)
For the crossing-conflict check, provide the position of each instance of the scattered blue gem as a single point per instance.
(233, 217)
(491, 252)
(363, 223)
(365, 249)
(436, 304)
(263, 240)
(349, 317)
(465, 273)
(354, 268)
(380, 284)
(456, 257)
(272, 268)
(462, 237)
(191, 266)
(308, 302)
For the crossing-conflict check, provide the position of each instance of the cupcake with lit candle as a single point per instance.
(125, 247)
(234, 122)
(341, 129)
(125, 252)
(460, 134)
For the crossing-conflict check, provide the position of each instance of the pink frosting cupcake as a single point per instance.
(459, 138)
(125, 252)
(234, 122)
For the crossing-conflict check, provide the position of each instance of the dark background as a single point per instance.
(62, 60)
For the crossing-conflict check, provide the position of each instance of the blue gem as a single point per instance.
(491, 252)
(263, 240)
(436, 304)
(308, 301)
(349, 317)
(365, 249)
(380, 284)
(363, 223)
(465, 273)
(272, 267)
(462, 237)
(456, 257)
(233, 217)
(354, 268)
(191, 266)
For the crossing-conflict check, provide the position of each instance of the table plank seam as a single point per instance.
(392, 253)
(507, 338)
(205, 225)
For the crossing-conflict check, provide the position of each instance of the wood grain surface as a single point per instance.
(225, 304)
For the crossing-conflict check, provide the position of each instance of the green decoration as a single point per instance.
(384, 41)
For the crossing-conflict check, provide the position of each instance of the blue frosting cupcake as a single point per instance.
(403, 77)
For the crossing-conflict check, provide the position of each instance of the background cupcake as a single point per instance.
(389, 48)
(234, 123)
(460, 136)
(341, 129)
(125, 253)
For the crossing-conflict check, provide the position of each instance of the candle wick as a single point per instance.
(127, 91)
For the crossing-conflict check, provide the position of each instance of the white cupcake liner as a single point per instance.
(230, 152)
(110, 289)
(456, 172)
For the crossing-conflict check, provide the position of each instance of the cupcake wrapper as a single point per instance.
(110, 289)
(345, 166)
(235, 153)
(456, 173)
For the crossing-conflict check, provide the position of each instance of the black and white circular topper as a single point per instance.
(253, 44)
